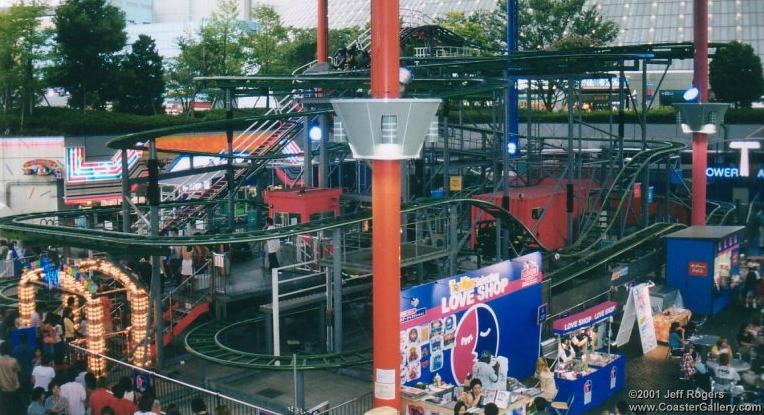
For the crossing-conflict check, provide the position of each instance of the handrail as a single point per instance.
(169, 379)
(187, 281)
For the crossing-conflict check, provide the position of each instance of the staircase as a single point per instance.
(186, 303)
(268, 138)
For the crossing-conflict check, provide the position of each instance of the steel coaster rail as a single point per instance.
(603, 256)
(204, 342)
(623, 181)
(19, 225)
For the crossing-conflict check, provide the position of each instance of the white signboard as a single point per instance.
(639, 310)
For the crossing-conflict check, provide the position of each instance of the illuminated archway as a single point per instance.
(68, 282)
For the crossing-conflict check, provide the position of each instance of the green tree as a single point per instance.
(543, 25)
(142, 79)
(87, 33)
(301, 47)
(268, 42)
(22, 48)
(736, 75)
(218, 48)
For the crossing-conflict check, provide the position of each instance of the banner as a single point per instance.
(638, 309)
(446, 324)
(586, 318)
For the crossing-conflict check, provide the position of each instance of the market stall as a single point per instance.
(447, 324)
(591, 375)
(703, 262)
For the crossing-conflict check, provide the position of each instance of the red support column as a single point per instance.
(386, 217)
(322, 32)
(700, 141)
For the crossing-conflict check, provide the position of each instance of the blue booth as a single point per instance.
(591, 379)
(703, 262)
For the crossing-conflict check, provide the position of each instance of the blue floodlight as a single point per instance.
(692, 94)
(315, 131)
(512, 147)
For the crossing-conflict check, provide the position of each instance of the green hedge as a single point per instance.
(662, 115)
(68, 122)
(62, 121)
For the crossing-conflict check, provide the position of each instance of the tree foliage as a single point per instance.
(141, 79)
(736, 75)
(22, 48)
(218, 48)
(88, 34)
(543, 25)
(269, 42)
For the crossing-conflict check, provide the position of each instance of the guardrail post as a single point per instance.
(275, 312)
(337, 290)
(299, 387)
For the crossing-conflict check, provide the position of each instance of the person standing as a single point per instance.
(187, 263)
(120, 405)
(24, 355)
(272, 246)
(75, 395)
(42, 375)
(483, 370)
(99, 397)
(37, 406)
(9, 381)
(56, 404)
(749, 286)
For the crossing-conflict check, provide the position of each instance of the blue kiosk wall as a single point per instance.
(694, 257)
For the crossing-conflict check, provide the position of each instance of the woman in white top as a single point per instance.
(546, 380)
(187, 263)
(565, 352)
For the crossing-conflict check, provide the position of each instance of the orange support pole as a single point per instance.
(700, 141)
(386, 213)
(322, 32)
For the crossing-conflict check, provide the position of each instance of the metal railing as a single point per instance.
(356, 406)
(171, 391)
(190, 292)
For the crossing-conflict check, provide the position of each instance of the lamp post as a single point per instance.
(386, 130)
(322, 32)
(700, 140)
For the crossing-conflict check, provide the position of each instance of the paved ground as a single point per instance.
(651, 371)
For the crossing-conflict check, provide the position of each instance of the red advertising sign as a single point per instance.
(697, 269)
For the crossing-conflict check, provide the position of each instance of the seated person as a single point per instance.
(491, 409)
(474, 397)
(726, 375)
(460, 408)
(546, 380)
(675, 339)
(540, 406)
(722, 346)
(700, 362)
(688, 362)
(745, 336)
(565, 352)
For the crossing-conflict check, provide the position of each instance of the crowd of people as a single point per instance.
(32, 383)
(704, 366)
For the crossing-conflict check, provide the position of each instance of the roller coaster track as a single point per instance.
(204, 341)
(39, 227)
(622, 183)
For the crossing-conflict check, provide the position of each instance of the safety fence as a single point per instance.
(170, 391)
(356, 406)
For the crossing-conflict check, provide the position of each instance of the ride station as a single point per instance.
(268, 263)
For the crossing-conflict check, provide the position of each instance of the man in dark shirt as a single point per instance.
(24, 354)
